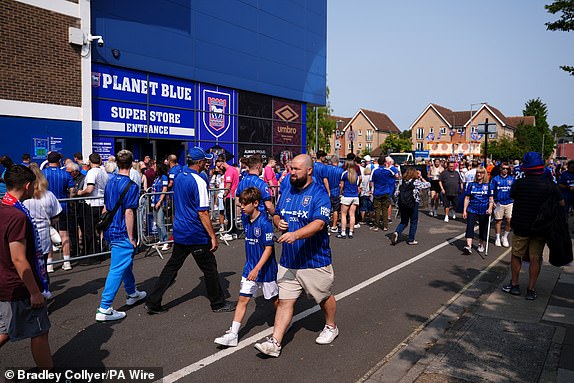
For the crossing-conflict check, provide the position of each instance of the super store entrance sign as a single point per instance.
(135, 104)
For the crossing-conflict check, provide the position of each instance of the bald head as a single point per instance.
(304, 160)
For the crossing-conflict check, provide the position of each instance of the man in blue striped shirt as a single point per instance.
(500, 189)
(60, 183)
(192, 233)
(302, 214)
(334, 174)
(120, 235)
(255, 166)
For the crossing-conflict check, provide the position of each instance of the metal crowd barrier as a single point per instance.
(77, 229)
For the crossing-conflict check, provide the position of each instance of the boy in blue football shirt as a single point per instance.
(260, 270)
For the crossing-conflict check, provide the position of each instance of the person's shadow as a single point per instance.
(64, 298)
(85, 349)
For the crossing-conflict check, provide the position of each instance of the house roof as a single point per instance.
(381, 121)
(463, 118)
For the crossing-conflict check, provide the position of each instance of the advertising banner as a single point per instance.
(264, 151)
(287, 124)
(104, 146)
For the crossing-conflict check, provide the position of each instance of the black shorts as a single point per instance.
(450, 201)
(435, 186)
(335, 203)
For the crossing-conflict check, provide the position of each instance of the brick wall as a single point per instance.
(37, 63)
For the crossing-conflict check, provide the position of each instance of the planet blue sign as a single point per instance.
(129, 103)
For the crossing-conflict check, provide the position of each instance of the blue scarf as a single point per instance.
(41, 272)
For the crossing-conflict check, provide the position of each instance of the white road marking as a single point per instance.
(176, 375)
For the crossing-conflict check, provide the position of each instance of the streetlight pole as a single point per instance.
(470, 123)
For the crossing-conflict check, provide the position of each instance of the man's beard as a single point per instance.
(298, 182)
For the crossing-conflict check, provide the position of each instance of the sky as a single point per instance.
(396, 57)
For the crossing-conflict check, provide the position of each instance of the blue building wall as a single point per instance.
(36, 136)
(274, 47)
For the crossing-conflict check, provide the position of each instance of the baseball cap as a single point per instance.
(54, 157)
(367, 158)
(196, 153)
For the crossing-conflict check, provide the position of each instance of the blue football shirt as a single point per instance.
(319, 173)
(251, 180)
(114, 188)
(383, 180)
(158, 184)
(190, 197)
(299, 208)
(500, 187)
(258, 235)
(349, 189)
(334, 174)
(479, 195)
(174, 172)
(59, 181)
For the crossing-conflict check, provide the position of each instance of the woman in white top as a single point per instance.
(44, 209)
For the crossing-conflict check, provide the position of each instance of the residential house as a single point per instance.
(368, 128)
(444, 132)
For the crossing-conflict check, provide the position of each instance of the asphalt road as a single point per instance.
(384, 293)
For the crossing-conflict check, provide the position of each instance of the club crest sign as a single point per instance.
(216, 117)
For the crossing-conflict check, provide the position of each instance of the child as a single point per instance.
(260, 270)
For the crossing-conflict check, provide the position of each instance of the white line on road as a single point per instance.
(176, 375)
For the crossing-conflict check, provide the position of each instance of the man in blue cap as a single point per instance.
(192, 233)
(529, 193)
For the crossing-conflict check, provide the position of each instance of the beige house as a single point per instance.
(368, 128)
(444, 132)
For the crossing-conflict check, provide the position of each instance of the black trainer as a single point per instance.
(154, 310)
(530, 295)
(512, 289)
(227, 307)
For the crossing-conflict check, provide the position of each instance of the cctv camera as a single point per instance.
(98, 39)
(100, 42)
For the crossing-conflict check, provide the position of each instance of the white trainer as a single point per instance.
(135, 297)
(227, 237)
(269, 347)
(505, 242)
(165, 247)
(480, 248)
(103, 315)
(357, 226)
(497, 242)
(453, 215)
(229, 339)
(50, 268)
(446, 218)
(67, 266)
(327, 335)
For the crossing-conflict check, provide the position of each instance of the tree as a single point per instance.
(326, 126)
(406, 134)
(562, 130)
(504, 149)
(394, 143)
(565, 23)
(531, 138)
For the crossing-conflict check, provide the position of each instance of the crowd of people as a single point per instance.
(300, 208)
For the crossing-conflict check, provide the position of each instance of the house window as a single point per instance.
(360, 132)
(420, 145)
(420, 133)
(443, 130)
(360, 145)
(431, 130)
(369, 146)
(349, 146)
(369, 135)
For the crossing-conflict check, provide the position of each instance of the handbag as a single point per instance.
(106, 218)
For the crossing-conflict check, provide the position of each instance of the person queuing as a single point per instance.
(409, 199)
(260, 270)
(478, 203)
(124, 193)
(94, 186)
(383, 185)
(192, 234)
(500, 187)
(23, 277)
(366, 195)
(334, 174)
(302, 214)
(174, 169)
(320, 169)
(450, 183)
(231, 178)
(349, 190)
(434, 172)
(159, 203)
(62, 185)
(566, 185)
(269, 176)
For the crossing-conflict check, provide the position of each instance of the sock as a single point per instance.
(66, 257)
(505, 235)
(235, 327)
(497, 237)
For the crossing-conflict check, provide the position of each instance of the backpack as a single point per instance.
(406, 195)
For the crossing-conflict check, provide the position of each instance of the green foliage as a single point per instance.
(326, 126)
(562, 130)
(529, 138)
(394, 143)
(407, 134)
(539, 110)
(504, 149)
(565, 23)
